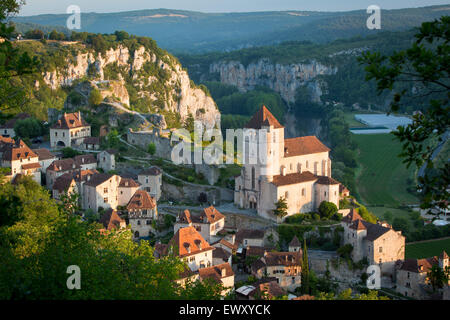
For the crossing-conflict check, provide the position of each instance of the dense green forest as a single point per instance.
(187, 31)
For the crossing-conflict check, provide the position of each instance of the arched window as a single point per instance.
(253, 177)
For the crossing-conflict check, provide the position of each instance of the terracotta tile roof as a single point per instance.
(220, 253)
(152, 171)
(228, 244)
(128, 183)
(343, 188)
(248, 234)
(97, 179)
(84, 175)
(44, 154)
(16, 151)
(91, 140)
(141, 200)
(185, 217)
(12, 122)
(358, 225)
(262, 118)
(111, 220)
(419, 265)
(304, 297)
(63, 183)
(295, 242)
(85, 159)
(293, 178)
(352, 216)
(272, 259)
(215, 272)
(31, 166)
(70, 121)
(302, 146)
(4, 140)
(324, 180)
(211, 214)
(269, 289)
(64, 165)
(188, 241)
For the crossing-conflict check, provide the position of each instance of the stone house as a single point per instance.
(64, 185)
(58, 168)
(111, 220)
(142, 211)
(86, 161)
(295, 245)
(70, 130)
(189, 245)
(250, 237)
(230, 247)
(209, 223)
(45, 158)
(284, 266)
(91, 143)
(220, 256)
(106, 160)
(7, 129)
(412, 279)
(297, 169)
(101, 191)
(127, 188)
(151, 180)
(221, 273)
(380, 244)
(17, 156)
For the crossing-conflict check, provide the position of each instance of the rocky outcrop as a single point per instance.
(284, 79)
(176, 92)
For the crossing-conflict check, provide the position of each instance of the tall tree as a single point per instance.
(437, 277)
(420, 76)
(305, 287)
(281, 208)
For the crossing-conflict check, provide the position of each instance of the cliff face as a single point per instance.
(160, 80)
(284, 79)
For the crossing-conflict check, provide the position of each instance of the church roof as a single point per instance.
(326, 180)
(302, 146)
(293, 178)
(263, 118)
(295, 242)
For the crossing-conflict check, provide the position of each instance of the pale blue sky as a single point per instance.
(34, 7)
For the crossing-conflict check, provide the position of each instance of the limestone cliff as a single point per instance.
(157, 79)
(284, 79)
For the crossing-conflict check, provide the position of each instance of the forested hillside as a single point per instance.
(187, 31)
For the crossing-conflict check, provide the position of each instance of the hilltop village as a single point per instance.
(231, 239)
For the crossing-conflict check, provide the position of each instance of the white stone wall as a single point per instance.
(151, 184)
(125, 194)
(106, 161)
(196, 260)
(8, 132)
(93, 197)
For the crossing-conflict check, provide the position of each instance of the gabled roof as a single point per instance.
(17, 151)
(63, 183)
(293, 178)
(352, 216)
(324, 180)
(70, 121)
(302, 146)
(419, 265)
(97, 179)
(152, 171)
(295, 242)
(141, 200)
(63, 165)
(85, 159)
(272, 259)
(128, 183)
(220, 253)
(211, 214)
(31, 166)
(358, 225)
(374, 231)
(84, 175)
(263, 118)
(111, 220)
(188, 241)
(215, 272)
(248, 234)
(443, 255)
(44, 154)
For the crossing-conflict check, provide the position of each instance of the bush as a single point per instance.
(68, 152)
(95, 98)
(151, 149)
(345, 251)
(327, 210)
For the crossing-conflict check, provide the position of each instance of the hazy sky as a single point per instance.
(34, 7)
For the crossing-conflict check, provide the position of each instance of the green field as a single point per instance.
(427, 249)
(382, 178)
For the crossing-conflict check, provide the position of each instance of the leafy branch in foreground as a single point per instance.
(420, 76)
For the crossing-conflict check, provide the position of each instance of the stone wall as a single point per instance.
(143, 139)
(191, 192)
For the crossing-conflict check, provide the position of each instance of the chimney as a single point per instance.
(224, 272)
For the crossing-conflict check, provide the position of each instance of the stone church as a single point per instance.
(298, 169)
